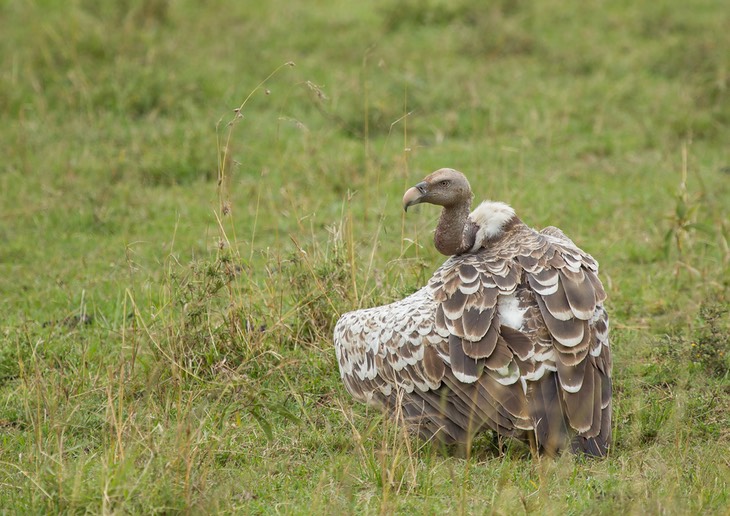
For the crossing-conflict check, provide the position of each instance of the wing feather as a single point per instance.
(483, 347)
(465, 368)
(433, 366)
(476, 322)
(501, 357)
(546, 410)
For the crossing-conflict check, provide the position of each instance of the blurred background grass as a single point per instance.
(156, 360)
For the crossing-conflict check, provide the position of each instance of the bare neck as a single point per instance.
(448, 237)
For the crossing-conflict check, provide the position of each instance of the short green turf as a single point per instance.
(192, 192)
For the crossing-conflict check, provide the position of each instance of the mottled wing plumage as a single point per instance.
(511, 336)
(389, 347)
(571, 306)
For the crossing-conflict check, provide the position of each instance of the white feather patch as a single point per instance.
(568, 388)
(507, 375)
(491, 217)
(546, 355)
(464, 378)
(596, 350)
(537, 374)
(570, 342)
(510, 313)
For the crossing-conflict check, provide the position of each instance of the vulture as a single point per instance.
(510, 334)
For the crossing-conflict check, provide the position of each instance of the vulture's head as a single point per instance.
(446, 187)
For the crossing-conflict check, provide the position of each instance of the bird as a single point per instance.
(509, 335)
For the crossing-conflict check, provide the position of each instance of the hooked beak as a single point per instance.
(414, 195)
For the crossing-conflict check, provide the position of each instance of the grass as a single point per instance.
(171, 269)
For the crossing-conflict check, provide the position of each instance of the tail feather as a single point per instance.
(546, 411)
(597, 446)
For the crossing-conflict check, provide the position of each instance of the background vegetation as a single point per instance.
(171, 269)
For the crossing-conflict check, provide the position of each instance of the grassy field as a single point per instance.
(192, 192)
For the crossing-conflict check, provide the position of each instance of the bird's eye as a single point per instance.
(444, 183)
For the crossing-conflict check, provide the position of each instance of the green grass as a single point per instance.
(170, 273)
